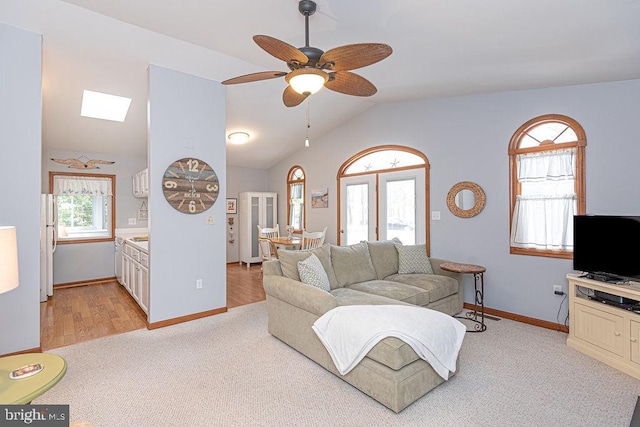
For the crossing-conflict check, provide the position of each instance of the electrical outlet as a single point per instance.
(435, 215)
(211, 219)
(132, 221)
(557, 290)
(199, 284)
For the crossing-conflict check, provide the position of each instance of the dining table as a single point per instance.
(286, 242)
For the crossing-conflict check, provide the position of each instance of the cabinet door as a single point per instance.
(270, 204)
(145, 182)
(600, 328)
(126, 272)
(135, 281)
(143, 285)
(635, 342)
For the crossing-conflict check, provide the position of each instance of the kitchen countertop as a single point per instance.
(143, 246)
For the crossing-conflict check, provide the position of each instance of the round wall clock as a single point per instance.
(190, 185)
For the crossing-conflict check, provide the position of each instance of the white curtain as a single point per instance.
(543, 213)
(81, 186)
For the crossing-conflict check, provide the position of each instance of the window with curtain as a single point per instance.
(295, 197)
(547, 185)
(85, 206)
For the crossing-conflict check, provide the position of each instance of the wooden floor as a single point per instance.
(83, 313)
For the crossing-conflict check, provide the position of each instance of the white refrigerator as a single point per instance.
(48, 240)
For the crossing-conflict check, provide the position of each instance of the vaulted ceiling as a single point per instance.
(441, 48)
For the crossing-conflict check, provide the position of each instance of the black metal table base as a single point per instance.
(477, 316)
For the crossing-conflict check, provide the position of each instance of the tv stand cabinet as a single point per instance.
(605, 332)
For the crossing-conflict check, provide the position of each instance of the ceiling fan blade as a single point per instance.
(291, 98)
(280, 49)
(354, 56)
(350, 84)
(254, 77)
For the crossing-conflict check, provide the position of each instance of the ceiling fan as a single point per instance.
(311, 68)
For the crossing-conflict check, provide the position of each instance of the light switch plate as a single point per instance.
(435, 215)
(132, 221)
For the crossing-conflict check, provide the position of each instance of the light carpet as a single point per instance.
(226, 370)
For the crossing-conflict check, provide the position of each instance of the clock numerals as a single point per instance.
(192, 165)
(212, 187)
(192, 206)
(170, 184)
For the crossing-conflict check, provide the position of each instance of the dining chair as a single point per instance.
(268, 251)
(313, 240)
(268, 232)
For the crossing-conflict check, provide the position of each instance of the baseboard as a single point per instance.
(84, 282)
(187, 318)
(523, 319)
(30, 350)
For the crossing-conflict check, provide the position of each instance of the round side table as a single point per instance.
(23, 390)
(478, 284)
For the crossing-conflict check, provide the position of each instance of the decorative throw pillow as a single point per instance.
(413, 259)
(312, 273)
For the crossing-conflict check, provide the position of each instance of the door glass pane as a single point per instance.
(401, 210)
(269, 214)
(255, 218)
(357, 227)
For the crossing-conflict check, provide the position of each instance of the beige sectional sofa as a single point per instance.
(365, 273)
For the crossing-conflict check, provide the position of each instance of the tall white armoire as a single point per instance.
(255, 208)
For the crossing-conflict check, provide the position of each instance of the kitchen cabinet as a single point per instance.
(606, 332)
(141, 183)
(135, 273)
(255, 208)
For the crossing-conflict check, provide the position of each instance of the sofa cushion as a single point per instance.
(395, 290)
(346, 296)
(289, 262)
(352, 264)
(394, 353)
(438, 286)
(312, 273)
(384, 257)
(413, 259)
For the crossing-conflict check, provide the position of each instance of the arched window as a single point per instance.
(295, 198)
(546, 166)
(383, 193)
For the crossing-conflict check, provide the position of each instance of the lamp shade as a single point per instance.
(8, 259)
(307, 81)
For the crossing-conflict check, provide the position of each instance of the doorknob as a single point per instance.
(342, 231)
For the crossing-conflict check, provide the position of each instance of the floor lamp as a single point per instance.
(8, 259)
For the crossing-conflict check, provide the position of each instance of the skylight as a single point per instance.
(104, 106)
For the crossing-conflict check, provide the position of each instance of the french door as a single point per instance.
(381, 206)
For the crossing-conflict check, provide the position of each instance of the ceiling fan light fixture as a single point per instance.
(238, 138)
(307, 81)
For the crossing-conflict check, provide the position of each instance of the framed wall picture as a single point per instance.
(320, 198)
(232, 206)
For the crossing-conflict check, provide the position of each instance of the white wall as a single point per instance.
(182, 247)
(239, 180)
(87, 261)
(466, 139)
(20, 149)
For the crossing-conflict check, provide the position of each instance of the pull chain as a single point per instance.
(306, 140)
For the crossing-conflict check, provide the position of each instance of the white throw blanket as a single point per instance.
(350, 332)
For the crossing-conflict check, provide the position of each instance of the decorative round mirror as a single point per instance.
(466, 199)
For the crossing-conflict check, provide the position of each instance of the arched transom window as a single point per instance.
(295, 198)
(546, 157)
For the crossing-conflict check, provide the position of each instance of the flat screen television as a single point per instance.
(607, 247)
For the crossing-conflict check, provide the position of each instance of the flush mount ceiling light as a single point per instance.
(238, 138)
(104, 106)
